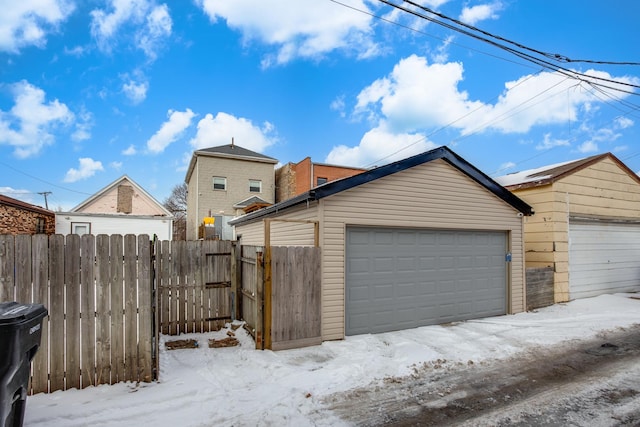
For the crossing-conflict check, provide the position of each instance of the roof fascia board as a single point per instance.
(235, 156)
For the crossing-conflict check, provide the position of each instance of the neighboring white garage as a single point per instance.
(586, 226)
(404, 278)
(429, 239)
(604, 257)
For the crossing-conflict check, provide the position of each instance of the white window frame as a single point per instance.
(252, 184)
(221, 180)
(76, 225)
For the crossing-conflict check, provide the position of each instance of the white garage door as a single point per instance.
(398, 278)
(604, 257)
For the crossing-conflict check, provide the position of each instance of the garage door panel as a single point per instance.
(422, 277)
(604, 257)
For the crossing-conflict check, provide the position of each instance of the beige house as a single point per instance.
(426, 240)
(222, 182)
(586, 226)
(122, 207)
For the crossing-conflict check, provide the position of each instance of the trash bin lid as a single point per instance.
(13, 312)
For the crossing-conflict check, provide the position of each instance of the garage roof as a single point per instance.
(442, 153)
(549, 174)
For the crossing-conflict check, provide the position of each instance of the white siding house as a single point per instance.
(122, 207)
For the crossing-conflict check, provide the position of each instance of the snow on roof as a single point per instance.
(530, 175)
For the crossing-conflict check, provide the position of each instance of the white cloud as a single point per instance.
(588, 147)
(115, 165)
(296, 29)
(24, 195)
(549, 142)
(83, 126)
(505, 167)
(473, 15)
(218, 130)
(149, 25)
(624, 122)
(170, 130)
(418, 96)
(88, 167)
(26, 22)
(30, 123)
(338, 105)
(129, 151)
(379, 147)
(136, 91)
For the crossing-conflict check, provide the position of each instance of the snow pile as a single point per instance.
(240, 386)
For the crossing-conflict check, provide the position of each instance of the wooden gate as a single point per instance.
(195, 282)
(281, 296)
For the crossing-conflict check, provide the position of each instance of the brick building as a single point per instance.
(293, 179)
(18, 217)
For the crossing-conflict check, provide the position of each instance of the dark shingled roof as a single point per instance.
(337, 186)
(235, 150)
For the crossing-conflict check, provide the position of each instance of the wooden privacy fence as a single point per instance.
(280, 290)
(196, 282)
(98, 291)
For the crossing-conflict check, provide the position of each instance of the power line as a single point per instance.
(555, 56)
(523, 55)
(42, 180)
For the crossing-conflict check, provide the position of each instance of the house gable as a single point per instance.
(123, 196)
(442, 153)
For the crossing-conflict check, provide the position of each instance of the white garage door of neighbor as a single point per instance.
(404, 278)
(604, 258)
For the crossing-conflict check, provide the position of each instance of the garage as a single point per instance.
(604, 258)
(405, 278)
(586, 227)
(420, 241)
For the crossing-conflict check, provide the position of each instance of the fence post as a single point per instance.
(236, 285)
(259, 319)
(268, 314)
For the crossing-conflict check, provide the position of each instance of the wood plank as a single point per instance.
(130, 322)
(236, 299)
(40, 274)
(22, 267)
(117, 307)
(7, 261)
(72, 315)
(164, 285)
(88, 310)
(103, 310)
(146, 334)
(56, 310)
(267, 298)
(259, 306)
(181, 285)
(191, 264)
(175, 297)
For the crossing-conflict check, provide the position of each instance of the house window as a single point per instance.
(321, 181)
(80, 228)
(40, 226)
(219, 183)
(255, 186)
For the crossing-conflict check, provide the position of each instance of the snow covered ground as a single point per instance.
(239, 386)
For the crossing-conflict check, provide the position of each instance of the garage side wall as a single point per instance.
(431, 195)
(283, 231)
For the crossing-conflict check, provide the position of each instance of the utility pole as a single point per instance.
(45, 194)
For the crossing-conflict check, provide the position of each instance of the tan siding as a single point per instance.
(432, 195)
(252, 234)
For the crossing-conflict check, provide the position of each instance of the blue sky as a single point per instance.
(94, 89)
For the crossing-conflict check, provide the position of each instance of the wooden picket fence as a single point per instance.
(109, 297)
(98, 292)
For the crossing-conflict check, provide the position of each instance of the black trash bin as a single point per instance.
(20, 331)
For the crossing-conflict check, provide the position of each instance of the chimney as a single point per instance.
(232, 142)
